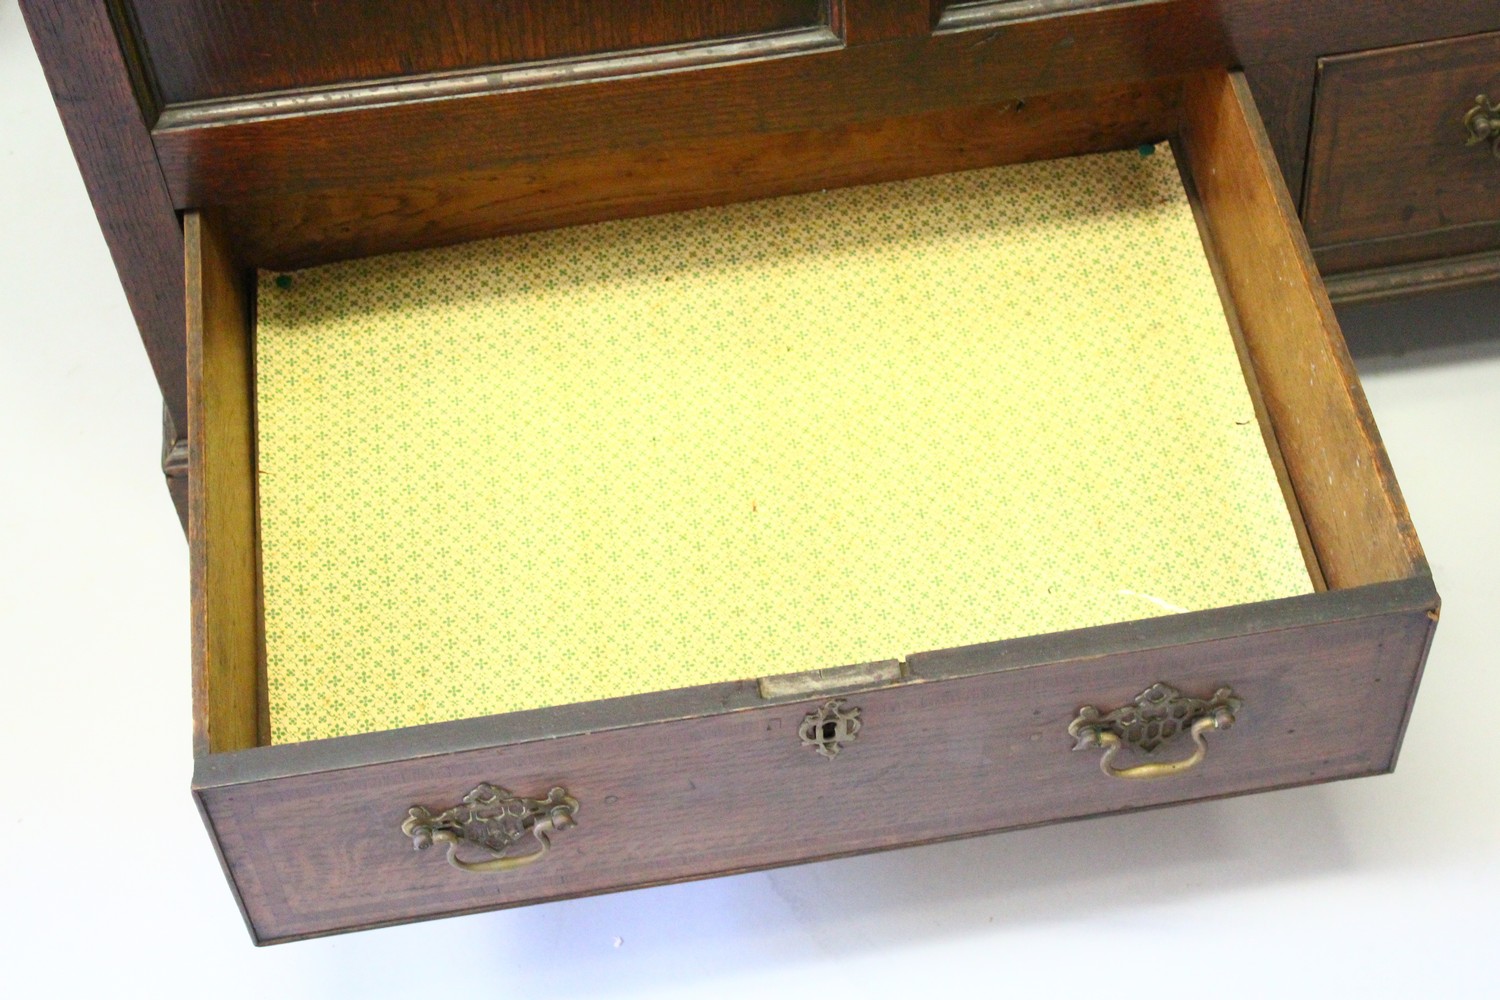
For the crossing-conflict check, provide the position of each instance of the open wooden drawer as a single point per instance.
(317, 837)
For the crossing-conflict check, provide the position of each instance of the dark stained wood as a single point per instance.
(267, 762)
(224, 48)
(525, 76)
(1419, 247)
(984, 13)
(319, 226)
(412, 136)
(1284, 94)
(864, 21)
(1275, 30)
(1388, 157)
(226, 165)
(127, 36)
(980, 744)
(1348, 494)
(92, 86)
(1402, 279)
(405, 142)
(224, 556)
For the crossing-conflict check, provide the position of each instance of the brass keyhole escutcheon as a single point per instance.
(830, 728)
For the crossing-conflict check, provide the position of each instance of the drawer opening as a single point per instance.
(667, 471)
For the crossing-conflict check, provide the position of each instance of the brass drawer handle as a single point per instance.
(1160, 715)
(1483, 124)
(495, 821)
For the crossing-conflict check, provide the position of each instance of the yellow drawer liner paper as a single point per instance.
(772, 437)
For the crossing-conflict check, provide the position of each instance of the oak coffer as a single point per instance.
(611, 436)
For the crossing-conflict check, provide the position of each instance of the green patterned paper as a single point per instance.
(751, 440)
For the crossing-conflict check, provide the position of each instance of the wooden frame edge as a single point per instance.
(254, 764)
(1379, 284)
(223, 548)
(1345, 486)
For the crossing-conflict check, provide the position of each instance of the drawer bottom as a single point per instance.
(759, 439)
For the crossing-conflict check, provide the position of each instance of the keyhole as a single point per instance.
(829, 728)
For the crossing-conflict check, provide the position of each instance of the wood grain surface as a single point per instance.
(1284, 96)
(224, 554)
(223, 48)
(1388, 155)
(727, 792)
(317, 226)
(93, 87)
(409, 134)
(1402, 279)
(1348, 494)
(1426, 246)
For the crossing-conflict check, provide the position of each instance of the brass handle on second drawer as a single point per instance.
(496, 822)
(1483, 124)
(1159, 715)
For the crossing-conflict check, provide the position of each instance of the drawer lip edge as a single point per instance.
(218, 771)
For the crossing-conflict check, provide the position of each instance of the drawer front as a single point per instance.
(324, 852)
(1390, 156)
(207, 51)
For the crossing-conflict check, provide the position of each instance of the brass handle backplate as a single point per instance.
(496, 823)
(1482, 124)
(1159, 716)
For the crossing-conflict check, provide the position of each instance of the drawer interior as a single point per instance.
(778, 436)
(896, 418)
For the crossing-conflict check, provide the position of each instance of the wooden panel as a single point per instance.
(862, 21)
(1284, 94)
(1420, 247)
(403, 141)
(92, 86)
(1402, 279)
(319, 226)
(413, 147)
(1388, 156)
(221, 501)
(967, 753)
(223, 48)
(1354, 512)
(1275, 30)
(979, 13)
(388, 135)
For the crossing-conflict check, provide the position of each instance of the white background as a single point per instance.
(1383, 886)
